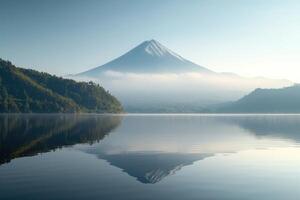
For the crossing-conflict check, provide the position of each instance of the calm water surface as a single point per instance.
(150, 157)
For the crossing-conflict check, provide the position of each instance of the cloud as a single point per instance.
(222, 81)
(185, 88)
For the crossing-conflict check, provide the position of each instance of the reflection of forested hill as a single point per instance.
(23, 135)
(282, 126)
(152, 167)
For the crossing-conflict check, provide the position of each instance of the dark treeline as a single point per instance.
(24, 90)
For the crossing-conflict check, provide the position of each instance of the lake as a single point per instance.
(149, 156)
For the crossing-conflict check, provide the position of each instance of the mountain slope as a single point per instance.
(284, 100)
(23, 90)
(148, 57)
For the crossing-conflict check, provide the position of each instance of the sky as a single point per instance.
(247, 37)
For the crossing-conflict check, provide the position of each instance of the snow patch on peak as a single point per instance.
(154, 48)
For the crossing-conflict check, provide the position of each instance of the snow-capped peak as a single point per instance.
(148, 57)
(154, 48)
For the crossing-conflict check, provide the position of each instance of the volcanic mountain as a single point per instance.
(152, 78)
(148, 57)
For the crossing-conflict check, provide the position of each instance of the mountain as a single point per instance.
(25, 90)
(152, 78)
(148, 57)
(283, 100)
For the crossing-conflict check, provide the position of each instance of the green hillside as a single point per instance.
(24, 90)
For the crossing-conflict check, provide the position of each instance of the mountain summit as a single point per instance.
(148, 57)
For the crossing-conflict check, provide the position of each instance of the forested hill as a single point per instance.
(24, 90)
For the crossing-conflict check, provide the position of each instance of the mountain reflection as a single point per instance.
(151, 167)
(151, 148)
(26, 135)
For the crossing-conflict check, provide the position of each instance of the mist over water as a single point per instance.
(147, 91)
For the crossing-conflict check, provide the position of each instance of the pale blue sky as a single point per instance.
(248, 37)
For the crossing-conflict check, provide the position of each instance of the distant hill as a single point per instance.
(284, 100)
(24, 90)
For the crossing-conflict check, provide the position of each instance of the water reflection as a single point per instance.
(151, 148)
(26, 135)
(280, 126)
(151, 167)
(148, 148)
